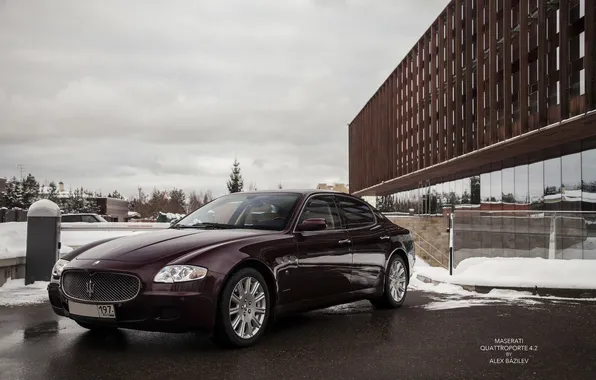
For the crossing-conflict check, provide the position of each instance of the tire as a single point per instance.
(393, 299)
(252, 310)
(96, 328)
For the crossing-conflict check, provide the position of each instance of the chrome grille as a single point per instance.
(100, 286)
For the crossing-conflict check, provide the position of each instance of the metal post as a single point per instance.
(43, 240)
(451, 242)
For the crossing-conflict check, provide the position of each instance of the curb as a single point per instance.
(536, 291)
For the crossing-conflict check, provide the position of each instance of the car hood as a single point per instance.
(151, 246)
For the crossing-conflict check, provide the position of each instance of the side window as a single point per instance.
(89, 219)
(322, 207)
(71, 218)
(356, 213)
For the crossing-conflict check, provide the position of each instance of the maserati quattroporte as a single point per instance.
(232, 266)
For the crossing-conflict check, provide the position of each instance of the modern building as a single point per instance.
(492, 108)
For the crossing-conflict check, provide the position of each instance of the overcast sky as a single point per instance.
(119, 94)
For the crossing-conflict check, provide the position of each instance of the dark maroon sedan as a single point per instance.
(235, 264)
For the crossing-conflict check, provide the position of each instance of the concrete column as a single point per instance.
(43, 240)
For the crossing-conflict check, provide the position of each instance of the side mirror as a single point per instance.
(313, 224)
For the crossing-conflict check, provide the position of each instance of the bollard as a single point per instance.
(43, 240)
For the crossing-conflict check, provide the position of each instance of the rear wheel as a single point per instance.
(396, 285)
(244, 309)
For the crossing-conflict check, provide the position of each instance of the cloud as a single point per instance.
(115, 95)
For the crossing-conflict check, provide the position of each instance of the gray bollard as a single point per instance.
(43, 240)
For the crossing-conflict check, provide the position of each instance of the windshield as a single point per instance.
(238, 210)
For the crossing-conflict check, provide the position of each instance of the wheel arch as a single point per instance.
(402, 253)
(262, 268)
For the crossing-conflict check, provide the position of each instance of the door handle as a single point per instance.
(345, 241)
(385, 237)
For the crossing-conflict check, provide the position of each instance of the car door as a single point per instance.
(371, 244)
(325, 256)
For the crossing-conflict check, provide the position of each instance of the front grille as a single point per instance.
(100, 286)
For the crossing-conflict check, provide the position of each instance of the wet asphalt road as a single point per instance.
(349, 342)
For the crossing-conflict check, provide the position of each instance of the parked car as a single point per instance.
(235, 264)
(82, 218)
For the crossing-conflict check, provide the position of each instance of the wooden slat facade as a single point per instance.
(448, 98)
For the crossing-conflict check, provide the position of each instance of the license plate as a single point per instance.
(94, 311)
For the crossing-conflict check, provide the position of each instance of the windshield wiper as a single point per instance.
(206, 225)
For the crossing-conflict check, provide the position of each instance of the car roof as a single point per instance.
(295, 191)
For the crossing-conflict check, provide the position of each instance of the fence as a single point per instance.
(522, 233)
(12, 215)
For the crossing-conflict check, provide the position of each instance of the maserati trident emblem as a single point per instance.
(96, 262)
(90, 288)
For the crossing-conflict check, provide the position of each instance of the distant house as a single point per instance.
(341, 187)
(2, 185)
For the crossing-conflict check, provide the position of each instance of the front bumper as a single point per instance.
(187, 307)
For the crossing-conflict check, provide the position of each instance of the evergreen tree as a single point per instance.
(30, 188)
(176, 202)
(236, 183)
(279, 186)
(52, 194)
(14, 193)
(90, 203)
(116, 195)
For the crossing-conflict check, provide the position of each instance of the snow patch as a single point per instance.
(518, 272)
(13, 237)
(16, 293)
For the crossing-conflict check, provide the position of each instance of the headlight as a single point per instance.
(180, 273)
(58, 268)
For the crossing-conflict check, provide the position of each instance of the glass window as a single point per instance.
(475, 190)
(322, 207)
(466, 197)
(355, 213)
(508, 185)
(588, 180)
(571, 177)
(71, 218)
(521, 185)
(459, 191)
(439, 190)
(495, 186)
(536, 184)
(552, 183)
(485, 187)
(241, 210)
(89, 219)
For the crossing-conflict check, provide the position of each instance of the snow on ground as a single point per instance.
(449, 295)
(15, 293)
(13, 237)
(519, 272)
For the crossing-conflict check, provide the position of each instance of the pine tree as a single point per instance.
(30, 188)
(236, 183)
(14, 193)
(52, 194)
(279, 186)
(90, 202)
(116, 195)
(176, 202)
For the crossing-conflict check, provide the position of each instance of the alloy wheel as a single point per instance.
(397, 281)
(247, 307)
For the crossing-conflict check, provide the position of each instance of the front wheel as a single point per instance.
(396, 285)
(244, 309)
